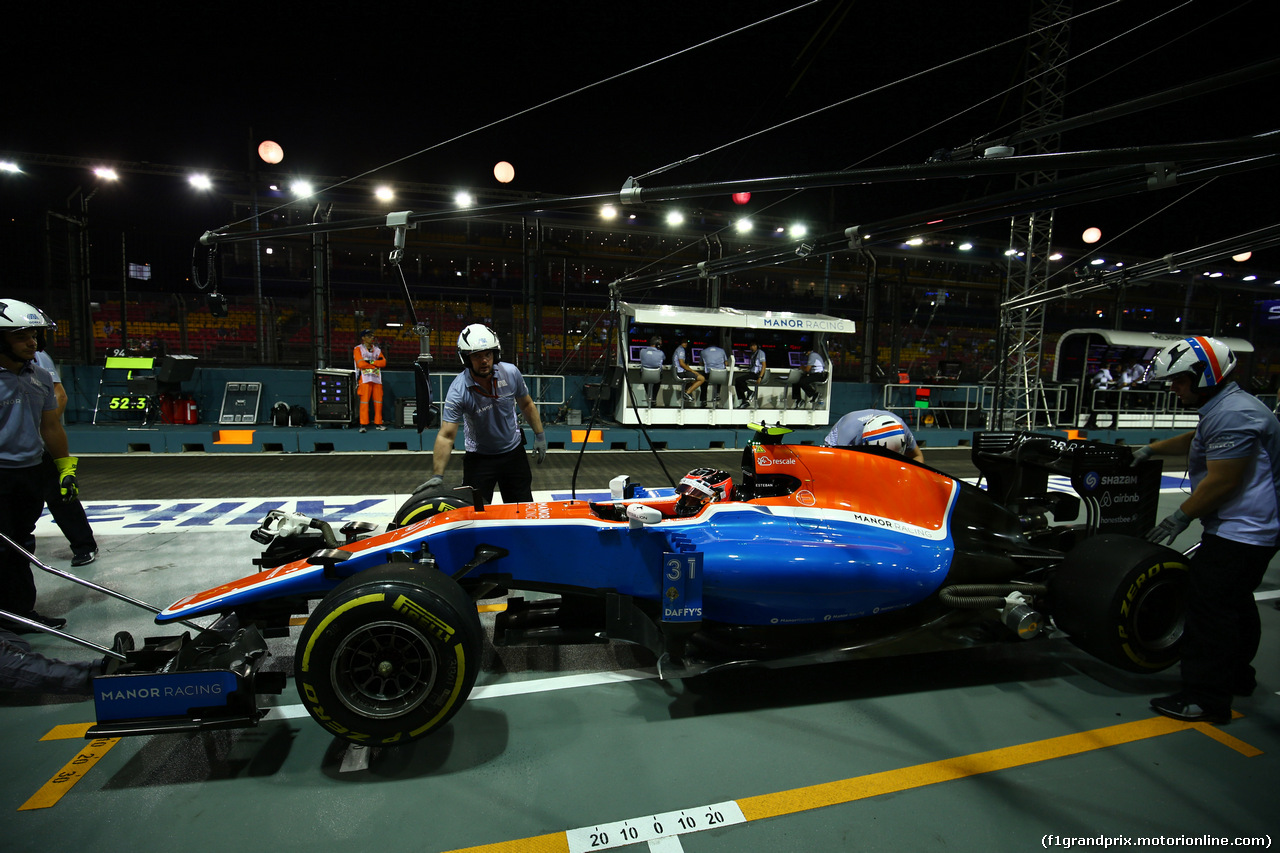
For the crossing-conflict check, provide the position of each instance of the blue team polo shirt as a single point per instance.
(676, 357)
(488, 422)
(24, 398)
(651, 357)
(713, 358)
(1235, 424)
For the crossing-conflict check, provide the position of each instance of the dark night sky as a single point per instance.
(346, 87)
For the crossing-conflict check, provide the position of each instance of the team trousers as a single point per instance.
(21, 500)
(508, 471)
(1223, 627)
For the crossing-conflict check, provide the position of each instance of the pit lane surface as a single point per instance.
(962, 748)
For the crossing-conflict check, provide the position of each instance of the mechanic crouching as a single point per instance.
(1234, 465)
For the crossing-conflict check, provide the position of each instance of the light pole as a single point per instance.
(82, 314)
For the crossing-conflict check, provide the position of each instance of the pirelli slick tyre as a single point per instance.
(389, 655)
(1122, 600)
(421, 506)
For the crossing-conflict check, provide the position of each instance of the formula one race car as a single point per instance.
(810, 553)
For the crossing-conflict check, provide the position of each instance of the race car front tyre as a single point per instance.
(389, 655)
(1122, 600)
(422, 505)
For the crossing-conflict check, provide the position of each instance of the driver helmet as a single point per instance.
(885, 431)
(16, 314)
(1208, 360)
(477, 338)
(700, 487)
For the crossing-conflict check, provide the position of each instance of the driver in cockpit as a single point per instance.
(700, 487)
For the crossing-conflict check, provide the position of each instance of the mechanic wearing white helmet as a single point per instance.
(484, 398)
(873, 426)
(29, 425)
(1233, 460)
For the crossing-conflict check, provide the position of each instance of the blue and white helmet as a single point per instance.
(885, 431)
(1208, 360)
(478, 338)
(16, 314)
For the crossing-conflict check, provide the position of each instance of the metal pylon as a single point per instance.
(1021, 402)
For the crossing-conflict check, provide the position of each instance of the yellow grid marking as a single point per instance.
(948, 769)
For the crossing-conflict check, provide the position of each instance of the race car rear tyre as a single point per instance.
(389, 655)
(1122, 600)
(421, 506)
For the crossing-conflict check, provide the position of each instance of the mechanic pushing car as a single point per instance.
(1233, 460)
(484, 398)
(29, 425)
(875, 427)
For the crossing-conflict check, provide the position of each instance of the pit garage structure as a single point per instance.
(1081, 353)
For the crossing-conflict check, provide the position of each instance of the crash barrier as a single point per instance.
(962, 407)
(546, 390)
(1137, 408)
(966, 407)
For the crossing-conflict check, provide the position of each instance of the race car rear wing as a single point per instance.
(1118, 497)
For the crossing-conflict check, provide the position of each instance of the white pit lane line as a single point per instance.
(513, 688)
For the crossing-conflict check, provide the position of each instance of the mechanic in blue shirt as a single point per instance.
(484, 398)
(682, 364)
(877, 427)
(814, 371)
(651, 356)
(749, 380)
(69, 515)
(1233, 460)
(29, 425)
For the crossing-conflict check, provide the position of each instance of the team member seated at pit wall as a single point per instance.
(682, 364)
(369, 363)
(714, 358)
(748, 382)
(874, 426)
(1233, 462)
(652, 357)
(813, 372)
(484, 398)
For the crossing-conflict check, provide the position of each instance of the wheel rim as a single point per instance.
(384, 669)
(1159, 615)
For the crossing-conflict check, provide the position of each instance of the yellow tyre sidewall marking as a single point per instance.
(324, 623)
